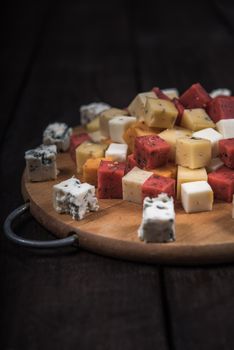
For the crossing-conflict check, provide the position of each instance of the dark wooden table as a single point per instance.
(57, 55)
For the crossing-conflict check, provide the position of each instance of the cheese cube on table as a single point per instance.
(117, 152)
(189, 175)
(196, 196)
(196, 119)
(106, 116)
(110, 176)
(88, 150)
(220, 92)
(132, 184)
(213, 136)
(90, 169)
(226, 128)
(137, 106)
(195, 97)
(156, 184)
(57, 134)
(94, 125)
(89, 112)
(160, 113)
(222, 183)
(221, 107)
(193, 153)
(158, 221)
(171, 93)
(226, 148)
(118, 126)
(74, 198)
(41, 163)
(214, 164)
(76, 141)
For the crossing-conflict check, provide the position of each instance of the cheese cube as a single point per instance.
(88, 150)
(180, 109)
(132, 184)
(196, 119)
(89, 112)
(193, 153)
(117, 152)
(57, 134)
(158, 221)
(74, 198)
(90, 169)
(220, 92)
(221, 107)
(118, 126)
(106, 116)
(156, 184)
(76, 141)
(195, 97)
(226, 149)
(168, 170)
(226, 128)
(213, 136)
(222, 183)
(196, 196)
(131, 162)
(96, 136)
(94, 125)
(160, 113)
(171, 93)
(41, 163)
(188, 175)
(110, 176)
(171, 135)
(137, 106)
(214, 164)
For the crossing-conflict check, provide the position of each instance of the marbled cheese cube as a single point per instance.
(88, 150)
(158, 221)
(213, 136)
(41, 163)
(90, 169)
(106, 116)
(160, 113)
(137, 106)
(132, 184)
(193, 153)
(214, 164)
(57, 134)
(220, 92)
(117, 151)
(171, 93)
(196, 196)
(74, 198)
(89, 112)
(196, 119)
(226, 128)
(118, 126)
(188, 175)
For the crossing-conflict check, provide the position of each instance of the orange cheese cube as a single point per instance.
(90, 169)
(168, 170)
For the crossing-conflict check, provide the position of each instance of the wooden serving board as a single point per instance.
(201, 238)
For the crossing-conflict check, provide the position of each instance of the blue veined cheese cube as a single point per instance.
(74, 198)
(41, 163)
(158, 221)
(57, 134)
(89, 112)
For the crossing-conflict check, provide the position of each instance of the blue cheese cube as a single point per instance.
(57, 134)
(41, 163)
(74, 198)
(158, 222)
(89, 112)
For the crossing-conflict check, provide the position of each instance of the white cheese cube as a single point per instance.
(117, 127)
(132, 183)
(57, 134)
(226, 128)
(196, 196)
(117, 152)
(41, 163)
(213, 136)
(220, 92)
(89, 112)
(158, 221)
(215, 164)
(171, 93)
(74, 198)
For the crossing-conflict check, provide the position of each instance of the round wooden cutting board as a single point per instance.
(201, 238)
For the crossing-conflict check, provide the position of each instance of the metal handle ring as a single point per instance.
(12, 236)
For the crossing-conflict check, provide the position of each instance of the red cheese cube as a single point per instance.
(221, 107)
(156, 184)
(222, 183)
(158, 92)
(131, 163)
(75, 141)
(226, 152)
(195, 97)
(180, 109)
(151, 151)
(110, 175)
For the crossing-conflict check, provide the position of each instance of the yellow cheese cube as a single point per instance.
(196, 119)
(93, 125)
(193, 153)
(168, 170)
(90, 169)
(171, 135)
(88, 150)
(137, 106)
(189, 175)
(107, 115)
(160, 113)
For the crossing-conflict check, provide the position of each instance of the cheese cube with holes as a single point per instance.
(195, 97)
(158, 221)
(57, 134)
(76, 141)
(106, 116)
(193, 153)
(117, 152)
(88, 150)
(214, 164)
(151, 151)
(171, 135)
(90, 111)
(41, 163)
(221, 107)
(132, 184)
(118, 126)
(74, 198)
(110, 176)
(189, 175)
(90, 169)
(226, 148)
(213, 136)
(196, 119)
(137, 106)
(196, 196)
(160, 113)
(222, 183)
(156, 184)
(226, 128)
